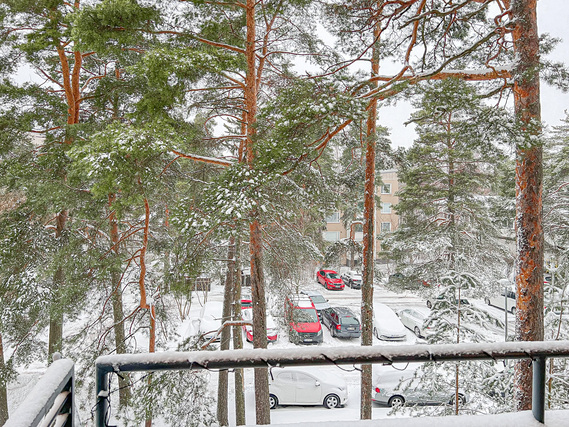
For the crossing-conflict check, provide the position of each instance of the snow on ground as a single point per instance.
(350, 412)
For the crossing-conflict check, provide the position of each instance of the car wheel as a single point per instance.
(461, 400)
(273, 401)
(376, 333)
(487, 300)
(331, 401)
(396, 401)
(333, 330)
(429, 304)
(417, 331)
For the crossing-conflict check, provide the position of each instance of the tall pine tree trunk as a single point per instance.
(116, 298)
(223, 383)
(3, 387)
(529, 174)
(262, 409)
(369, 237)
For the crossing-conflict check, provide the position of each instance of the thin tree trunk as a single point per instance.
(143, 298)
(55, 339)
(116, 298)
(223, 383)
(3, 385)
(529, 174)
(369, 237)
(238, 342)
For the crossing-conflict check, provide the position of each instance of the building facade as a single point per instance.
(386, 220)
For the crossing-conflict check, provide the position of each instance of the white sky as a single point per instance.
(553, 18)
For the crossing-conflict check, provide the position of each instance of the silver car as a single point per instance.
(414, 320)
(395, 387)
(320, 303)
(299, 387)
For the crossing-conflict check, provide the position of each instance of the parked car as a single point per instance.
(439, 298)
(320, 303)
(272, 331)
(329, 279)
(342, 322)
(299, 387)
(414, 320)
(506, 300)
(246, 300)
(395, 387)
(302, 319)
(353, 279)
(386, 324)
(210, 321)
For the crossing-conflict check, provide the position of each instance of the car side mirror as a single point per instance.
(317, 383)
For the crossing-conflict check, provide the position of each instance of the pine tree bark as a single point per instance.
(223, 383)
(3, 388)
(238, 341)
(116, 299)
(529, 174)
(262, 409)
(369, 237)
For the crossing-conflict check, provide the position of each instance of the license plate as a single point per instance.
(351, 329)
(307, 339)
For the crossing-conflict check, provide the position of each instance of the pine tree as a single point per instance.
(446, 177)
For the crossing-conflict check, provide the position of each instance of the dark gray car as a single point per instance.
(342, 322)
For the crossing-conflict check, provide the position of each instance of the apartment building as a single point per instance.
(386, 220)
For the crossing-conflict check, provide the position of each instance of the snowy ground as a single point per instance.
(290, 414)
(347, 298)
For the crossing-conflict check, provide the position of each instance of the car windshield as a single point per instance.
(317, 299)
(332, 275)
(349, 320)
(305, 315)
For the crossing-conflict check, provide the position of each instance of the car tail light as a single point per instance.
(338, 327)
(377, 389)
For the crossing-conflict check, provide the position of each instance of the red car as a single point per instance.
(330, 279)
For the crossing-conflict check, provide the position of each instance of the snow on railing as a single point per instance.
(537, 351)
(50, 400)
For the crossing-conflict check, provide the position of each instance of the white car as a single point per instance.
(414, 320)
(299, 387)
(506, 300)
(272, 333)
(386, 324)
(211, 316)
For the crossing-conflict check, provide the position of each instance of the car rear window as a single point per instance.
(349, 320)
(318, 299)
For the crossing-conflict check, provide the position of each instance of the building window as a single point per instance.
(386, 189)
(335, 217)
(385, 227)
(385, 208)
(331, 236)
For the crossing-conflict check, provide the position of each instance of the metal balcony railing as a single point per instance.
(538, 352)
(51, 402)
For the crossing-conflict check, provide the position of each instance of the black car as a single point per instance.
(342, 322)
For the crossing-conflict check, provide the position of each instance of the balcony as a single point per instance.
(51, 402)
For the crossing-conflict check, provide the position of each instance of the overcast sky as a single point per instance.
(553, 18)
